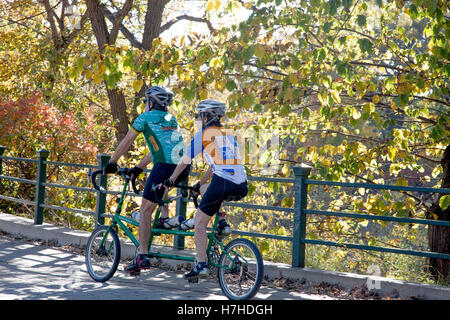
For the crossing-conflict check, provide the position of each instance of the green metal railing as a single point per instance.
(300, 211)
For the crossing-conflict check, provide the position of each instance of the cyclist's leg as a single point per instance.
(201, 222)
(201, 240)
(203, 188)
(145, 224)
(211, 201)
(210, 204)
(232, 192)
(160, 172)
(167, 171)
(149, 204)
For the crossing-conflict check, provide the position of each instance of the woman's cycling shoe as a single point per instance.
(200, 270)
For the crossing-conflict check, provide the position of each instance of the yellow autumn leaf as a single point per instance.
(137, 84)
(215, 62)
(101, 69)
(213, 5)
(210, 5)
(203, 94)
(181, 41)
(97, 78)
(393, 105)
(259, 51)
(220, 85)
(336, 97)
(402, 182)
(293, 78)
(376, 98)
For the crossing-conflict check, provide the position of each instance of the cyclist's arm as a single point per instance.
(206, 176)
(145, 162)
(124, 145)
(182, 164)
(193, 149)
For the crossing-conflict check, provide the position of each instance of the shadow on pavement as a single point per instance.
(32, 271)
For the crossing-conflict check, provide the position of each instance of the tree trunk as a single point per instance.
(115, 96)
(153, 19)
(119, 112)
(439, 236)
(152, 29)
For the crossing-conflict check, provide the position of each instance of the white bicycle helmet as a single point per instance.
(160, 95)
(211, 107)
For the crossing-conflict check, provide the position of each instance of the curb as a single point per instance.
(65, 236)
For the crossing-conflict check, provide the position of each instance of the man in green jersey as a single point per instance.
(165, 142)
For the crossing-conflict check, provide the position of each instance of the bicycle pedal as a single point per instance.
(193, 280)
(135, 273)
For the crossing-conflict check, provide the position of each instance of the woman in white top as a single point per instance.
(229, 181)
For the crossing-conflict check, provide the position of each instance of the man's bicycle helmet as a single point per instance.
(211, 107)
(160, 96)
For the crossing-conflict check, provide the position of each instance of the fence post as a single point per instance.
(178, 241)
(2, 150)
(40, 188)
(100, 207)
(301, 173)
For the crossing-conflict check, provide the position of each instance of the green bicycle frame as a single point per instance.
(118, 221)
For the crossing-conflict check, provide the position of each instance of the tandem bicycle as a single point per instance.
(238, 265)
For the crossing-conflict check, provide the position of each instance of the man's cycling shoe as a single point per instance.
(138, 263)
(160, 224)
(223, 229)
(200, 270)
(169, 223)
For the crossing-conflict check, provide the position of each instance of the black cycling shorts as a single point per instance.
(220, 190)
(160, 172)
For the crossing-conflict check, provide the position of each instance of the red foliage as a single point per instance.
(28, 124)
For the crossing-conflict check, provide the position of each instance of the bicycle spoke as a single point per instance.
(243, 276)
(102, 254)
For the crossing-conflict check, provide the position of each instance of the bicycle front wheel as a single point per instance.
(102, 253)
(241, 271)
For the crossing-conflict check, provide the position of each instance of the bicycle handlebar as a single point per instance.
(126, 175)
(123, 172)
(180, 186)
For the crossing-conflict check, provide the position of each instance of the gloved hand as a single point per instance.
(168, 183)
(111, 167)
(197, 188)
(136, 171)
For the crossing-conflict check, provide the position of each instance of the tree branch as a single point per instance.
(266, 69)
(169, 24)
(128, 35)
(380, 65)
(98, 23)
(50, 14)
(118, 20)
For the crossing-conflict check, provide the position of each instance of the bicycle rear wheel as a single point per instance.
(102, 253)
(242, 277)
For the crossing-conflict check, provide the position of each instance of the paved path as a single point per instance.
(30, 271)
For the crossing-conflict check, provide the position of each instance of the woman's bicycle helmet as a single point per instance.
(211, 107)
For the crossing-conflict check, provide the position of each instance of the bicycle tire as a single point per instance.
(248, 272)
(94, 255)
